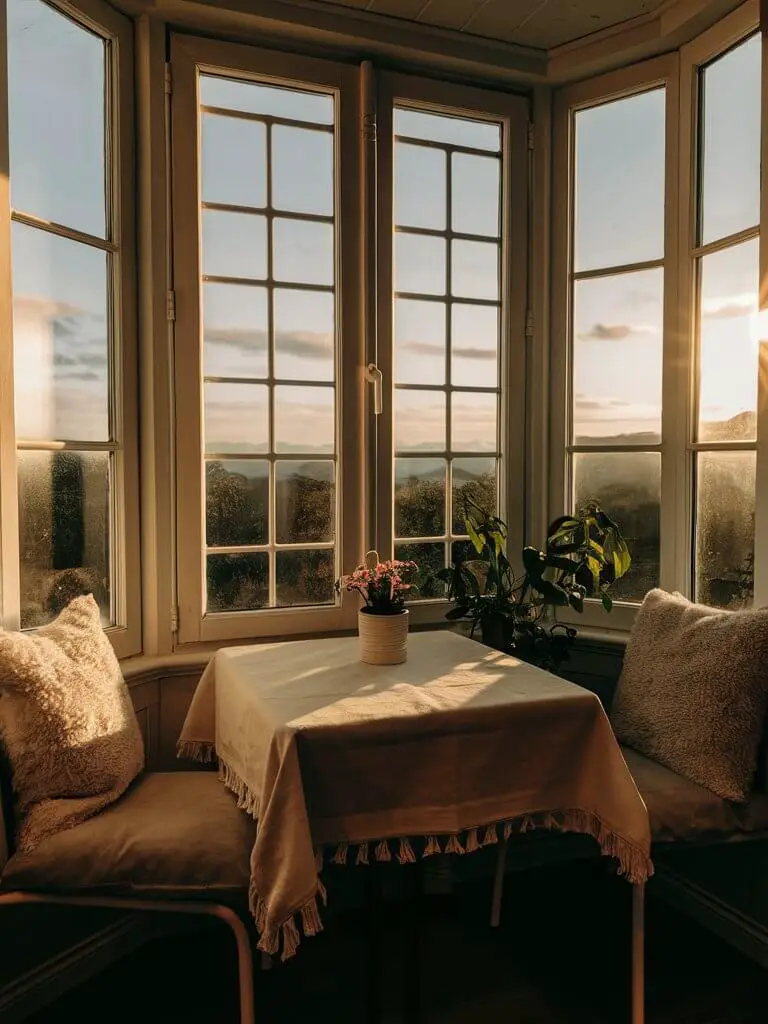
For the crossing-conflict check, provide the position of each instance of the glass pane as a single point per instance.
(305, 577)
(419, 497)
(236, 418)
(56, 73)
(305, 502)
(617, 358)
(234, 244)
(234, 330)
(457, 131)
(419, 342)
(419, 264)
(474, 345)
(420, 173)
(64, 513)
(730, 187)
(474, 422)
(476, 192)
(304, 420)
(237, 502)
(303, 251)
(234, 161)
(619, 187)
(729, 345)
(419, 421)
(475, 269)
(626, 485)
(304, 332)
(430, 559)
(302, 170)
(61, 338)
(472, 480)
(254, 98)
(725, 528)
(237, 583)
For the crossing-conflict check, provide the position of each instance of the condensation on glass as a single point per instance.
(617, 299)
(447, 329)
(269, 313)
(65, 262)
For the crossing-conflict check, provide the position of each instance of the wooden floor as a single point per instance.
(560, 957)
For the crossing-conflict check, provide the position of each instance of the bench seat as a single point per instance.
(682, 811)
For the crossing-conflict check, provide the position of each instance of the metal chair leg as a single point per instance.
(498, 883)
(638, 953)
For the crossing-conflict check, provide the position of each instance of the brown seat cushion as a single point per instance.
(171, 833)
(681, 810)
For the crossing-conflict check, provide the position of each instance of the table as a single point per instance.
(457, 748)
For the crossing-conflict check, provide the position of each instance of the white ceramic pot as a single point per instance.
(383, 638)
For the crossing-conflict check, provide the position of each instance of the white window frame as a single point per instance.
(189, 56)
(125, 636)
(513, 112)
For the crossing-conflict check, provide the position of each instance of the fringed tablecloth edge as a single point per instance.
(202, 751)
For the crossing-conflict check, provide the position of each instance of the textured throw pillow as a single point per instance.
(693, 691)
(66, 722)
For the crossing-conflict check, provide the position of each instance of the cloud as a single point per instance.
(92, 359)
(429, 348)
(60, 359)
(732, 306)
(304, 344)
(615, 332)
(474, 353)
(84, 375)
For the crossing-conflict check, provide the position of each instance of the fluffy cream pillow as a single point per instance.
(66, 722)
(693, 688)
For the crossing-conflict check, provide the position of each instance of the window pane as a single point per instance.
(430, 559)
(234, 244)
(234, 330)
(302, 170)
(56, 73)
(254, 98)
(728, 344)
(304, 333)
(305, 577)
(237, 582)
(476, 194)
(472, 480)
(419, 342)
(474, 422)
(419, 421)
(234, 158)
(303, 251)
(64, 512)
(474, 345)
(61, 338)
(419, 264)
(617, 358)
(420, 497)
(237, 502)
(725, 528)
(730, 171)
(236, 418)
(475, 269)
(619, 188)
(420, 179)
(304, 420)
(305, 502)
(626, 485)
(457, 131)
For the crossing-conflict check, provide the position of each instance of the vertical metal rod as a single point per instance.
(638, 953)
(369, 255)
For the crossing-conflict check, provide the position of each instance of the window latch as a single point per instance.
(373, 376)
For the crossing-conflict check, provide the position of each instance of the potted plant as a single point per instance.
(382, 622)
(583, 556)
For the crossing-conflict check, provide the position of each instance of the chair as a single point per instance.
(175, 842)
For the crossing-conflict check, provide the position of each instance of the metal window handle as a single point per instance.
(373, 376)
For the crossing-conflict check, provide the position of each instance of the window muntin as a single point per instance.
(725, 262)
(269, 300)
(67, 288)
(616, 321)
(446, 334)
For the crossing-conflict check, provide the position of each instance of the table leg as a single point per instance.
(374, 945)
(412, 914)
(498, 883)
(638, 953)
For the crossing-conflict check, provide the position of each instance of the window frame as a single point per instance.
(124, 546)
(189, 55)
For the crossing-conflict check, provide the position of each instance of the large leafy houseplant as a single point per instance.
(583, 556)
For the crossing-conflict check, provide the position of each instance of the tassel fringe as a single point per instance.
(406, 854)
(382, 851)
(246, 800)
(196, 750)
(362, 854)
(432, 847)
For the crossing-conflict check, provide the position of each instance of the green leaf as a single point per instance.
(534, 561)
(607, 602)
(576, 601)
(445, 575)
(552, 593)
(560, 562)
(477, 541)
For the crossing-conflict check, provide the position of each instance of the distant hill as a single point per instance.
(741, 427)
